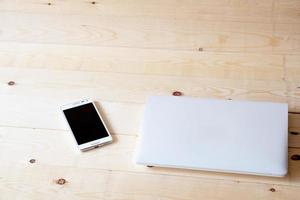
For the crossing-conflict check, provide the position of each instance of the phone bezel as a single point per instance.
(94, 143)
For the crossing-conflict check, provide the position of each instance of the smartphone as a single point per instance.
(86, 124)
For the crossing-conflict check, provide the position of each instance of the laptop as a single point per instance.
(215, 135)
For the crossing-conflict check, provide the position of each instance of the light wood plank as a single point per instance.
(294, 137)
(292, 67)
(294, 128)
(197, 189)
(142, 33)
(293, 93)
(294, 121)
(141, 61)
(287, 11)
(149, 33)
(286, 39)
(222, 10)
(133, 87)
(119, 53)
(38, 182)
(57, 148)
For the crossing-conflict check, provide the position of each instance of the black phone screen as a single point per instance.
(85, 123)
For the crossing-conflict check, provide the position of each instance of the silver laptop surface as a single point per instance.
(215, 135)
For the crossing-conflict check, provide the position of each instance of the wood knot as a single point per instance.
(295, 157)
(177, 93)
(200, 49)
(149, 166)
(272, 189)
(93, 2)
(11, 83)
(32, 161)
(49, 4)
(294, 133)
(61, 181)
(229, 99)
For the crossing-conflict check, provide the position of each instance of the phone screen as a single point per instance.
(85, 123)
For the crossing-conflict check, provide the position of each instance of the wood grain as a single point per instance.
(294, 137)
(293, 95)
(222, 10)
(294, 130)
(140, 61)
(45, 146)
(134, 87)
(286, 38)
(40, 182)
(118, 52)
(286, 11)
(292, 67)
(242, 11)
(144, 33)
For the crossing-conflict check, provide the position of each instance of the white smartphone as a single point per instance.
(86, 124)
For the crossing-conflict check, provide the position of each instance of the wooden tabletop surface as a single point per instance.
(119, 52)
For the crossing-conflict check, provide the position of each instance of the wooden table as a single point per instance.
(118, 53)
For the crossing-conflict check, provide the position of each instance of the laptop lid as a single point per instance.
(215, 135)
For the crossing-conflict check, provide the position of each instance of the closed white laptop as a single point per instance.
(215, 135)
